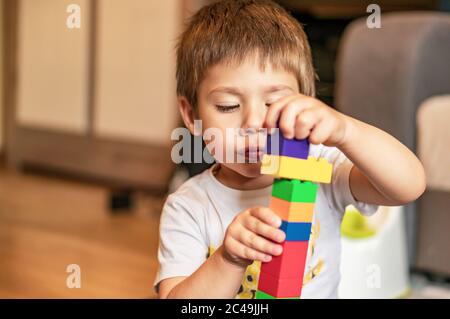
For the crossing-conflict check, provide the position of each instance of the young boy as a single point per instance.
(246, 64)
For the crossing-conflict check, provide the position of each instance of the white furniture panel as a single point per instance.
(135, 74)
(52, 64)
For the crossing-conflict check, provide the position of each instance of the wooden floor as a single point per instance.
(48, 223)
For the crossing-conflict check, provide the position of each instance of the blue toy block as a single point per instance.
(296, 231)
(287, 147)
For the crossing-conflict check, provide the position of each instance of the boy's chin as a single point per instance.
(250, 170)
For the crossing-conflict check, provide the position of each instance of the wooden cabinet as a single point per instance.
(97, 101)
(135, 69)
(52, 67)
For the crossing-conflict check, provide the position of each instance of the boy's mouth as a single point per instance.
(251, 153)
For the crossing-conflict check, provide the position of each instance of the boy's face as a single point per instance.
(237, 97)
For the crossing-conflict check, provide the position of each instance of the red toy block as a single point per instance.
(291, 263)
(280, 287)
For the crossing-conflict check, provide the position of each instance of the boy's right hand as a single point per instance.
(253, 235)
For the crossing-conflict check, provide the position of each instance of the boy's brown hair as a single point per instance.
(231, 30)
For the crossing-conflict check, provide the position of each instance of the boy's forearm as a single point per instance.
(215, 278)
(386, 172)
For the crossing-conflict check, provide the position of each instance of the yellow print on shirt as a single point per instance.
(315, 270)
(249, 283)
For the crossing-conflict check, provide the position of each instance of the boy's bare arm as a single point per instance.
(385, 173)
(252, 235)
(215, 278)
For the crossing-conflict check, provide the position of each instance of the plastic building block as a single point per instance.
(310, 169)
(294, 190)
(280, 287)
(296, 231)
(294, 193)
(292, 211)
(277, 144)
(291, 263)
(263, 295)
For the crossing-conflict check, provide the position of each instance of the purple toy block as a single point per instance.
(287, 147)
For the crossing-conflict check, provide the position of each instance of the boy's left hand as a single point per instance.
(302, 116)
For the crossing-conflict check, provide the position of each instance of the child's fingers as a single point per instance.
(258, 243)
(274, 111)
(321, 132)
(242, 251)
(288, 117)
(257, 226)
(266, 215)
(305, 122)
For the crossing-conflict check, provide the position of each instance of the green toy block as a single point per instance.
(294, 190)
(263, 295)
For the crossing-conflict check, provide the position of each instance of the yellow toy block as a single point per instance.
(311, 169)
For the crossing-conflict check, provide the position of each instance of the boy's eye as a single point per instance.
(226, 108)
(230, 108)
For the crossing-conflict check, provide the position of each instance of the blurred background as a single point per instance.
(87, 106)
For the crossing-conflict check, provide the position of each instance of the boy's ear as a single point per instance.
(187, 113)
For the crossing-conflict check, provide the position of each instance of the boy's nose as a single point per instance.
(254, 118)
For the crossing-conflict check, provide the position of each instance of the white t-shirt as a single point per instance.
(195, 217)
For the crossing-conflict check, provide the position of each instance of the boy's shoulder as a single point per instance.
(192, 190)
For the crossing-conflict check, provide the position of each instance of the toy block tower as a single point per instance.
(293, 196)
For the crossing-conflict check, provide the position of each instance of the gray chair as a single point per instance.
(383, 76)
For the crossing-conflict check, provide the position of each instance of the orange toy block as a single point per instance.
(292, 211)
